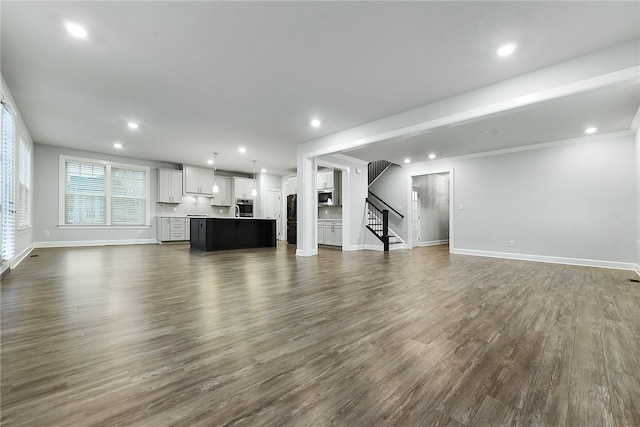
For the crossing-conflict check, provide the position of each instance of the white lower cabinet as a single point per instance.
(172, 229)
(330, 233)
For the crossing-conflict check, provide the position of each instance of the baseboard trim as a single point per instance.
(549, 259)
(434, 243)
(637, 269)
(302, 253)
(78, 243)
(396, 246)
(16, 260)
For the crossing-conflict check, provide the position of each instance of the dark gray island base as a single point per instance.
(214, 234)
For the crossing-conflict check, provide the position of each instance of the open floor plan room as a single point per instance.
(159, 335)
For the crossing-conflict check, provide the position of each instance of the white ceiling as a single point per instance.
(610, 109)
(201, 77)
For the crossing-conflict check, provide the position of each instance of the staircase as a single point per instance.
(376, 169)
(378, 220)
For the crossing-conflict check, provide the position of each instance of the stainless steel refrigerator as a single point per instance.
(292, 217)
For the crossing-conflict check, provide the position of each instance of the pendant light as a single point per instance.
(215, 182)
(254, 192)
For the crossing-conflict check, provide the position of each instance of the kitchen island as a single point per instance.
(214, 234)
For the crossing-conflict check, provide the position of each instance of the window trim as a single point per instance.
(108, 194)
(20, 227)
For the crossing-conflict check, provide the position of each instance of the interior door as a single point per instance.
(274, 209)
(415, 218)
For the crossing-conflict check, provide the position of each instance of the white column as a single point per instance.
(307, 239)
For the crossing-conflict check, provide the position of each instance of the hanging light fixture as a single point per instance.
(254, 192)
(215, 182)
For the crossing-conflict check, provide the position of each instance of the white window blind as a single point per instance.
(128, 199)
(24, 183)
(99, 193)
(8, 162)
(85, 193)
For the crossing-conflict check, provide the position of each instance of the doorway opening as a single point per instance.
(273, 209)
(430, 209)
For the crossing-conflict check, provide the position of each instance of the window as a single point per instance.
(8, 207)
(98, 193)
(24, 186)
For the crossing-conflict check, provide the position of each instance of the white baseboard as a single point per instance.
(637, 269)
(434, 243)
(550, 259)
(302, 253)
(16, 260)
(396, 246)
(77, 243)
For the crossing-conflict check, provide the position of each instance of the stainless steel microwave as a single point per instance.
(325, 198)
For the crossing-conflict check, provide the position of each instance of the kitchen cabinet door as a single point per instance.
(169, 186)
(242, 187)
(324, 180)
(205, 179)
(224, 196)
(337, 235)
(198, 181)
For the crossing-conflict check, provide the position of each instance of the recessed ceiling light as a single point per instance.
(133, 125)
(76, 30)
(407, 160)
(242, 150)
(506, 49)
(263, 170)
(117, 145)
(316, 123)
(210, 161)
(432, 156)
(590, 130)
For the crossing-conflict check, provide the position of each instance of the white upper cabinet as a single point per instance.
(169, 186)
(224, 195)
(242, 187)
(324, 180)
(198, 181)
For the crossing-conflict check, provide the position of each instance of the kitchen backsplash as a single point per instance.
(330, 212)
(192, 205)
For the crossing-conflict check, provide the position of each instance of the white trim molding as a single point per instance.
(635, 123)
(16, 260)
(549, 259)
(79, 243)
(434, 243)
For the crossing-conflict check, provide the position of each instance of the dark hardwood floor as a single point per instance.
(159, 335)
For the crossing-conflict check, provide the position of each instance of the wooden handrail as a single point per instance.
(387, 205)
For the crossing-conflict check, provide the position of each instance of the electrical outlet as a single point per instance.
(46, 233)
(220, 210)
(512, 243)
(175, 209)
(461, 207)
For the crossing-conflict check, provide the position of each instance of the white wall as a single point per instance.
(387, 186)
(46, 185)
(572, 201)
(23, 238)
(638, 201)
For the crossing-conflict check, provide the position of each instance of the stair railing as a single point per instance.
(378, 223)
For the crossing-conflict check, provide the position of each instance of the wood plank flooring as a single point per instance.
(163, 336)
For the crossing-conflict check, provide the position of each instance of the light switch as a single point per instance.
(461, 207)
